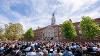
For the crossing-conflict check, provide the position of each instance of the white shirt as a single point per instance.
(61, 54)
(1, 48)
(28, 49)
(84, 48)
(41, 53)
(94, 48)
(31, 54)
(32, 45)
(98, 49)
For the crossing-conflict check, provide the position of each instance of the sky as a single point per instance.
(34, 13)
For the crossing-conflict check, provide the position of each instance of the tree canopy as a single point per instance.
(13, 31)
(89, 27)
(68, 30)
(29, 35)
(2, 34)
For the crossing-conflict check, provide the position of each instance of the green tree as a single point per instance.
(2, 34)
(13, 31)
(89, 27)
(68, 30)
(29, 35)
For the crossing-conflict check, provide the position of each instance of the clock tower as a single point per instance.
(53, 19)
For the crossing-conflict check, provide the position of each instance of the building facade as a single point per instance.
(50, 32)
(53, 31)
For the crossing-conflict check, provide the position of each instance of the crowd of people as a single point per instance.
(40, 48)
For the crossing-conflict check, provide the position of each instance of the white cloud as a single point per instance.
(3, 21)
(93, 14)
(41, 11)
(76, 4)
(68, 7)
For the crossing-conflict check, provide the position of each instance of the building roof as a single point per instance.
(97, 20)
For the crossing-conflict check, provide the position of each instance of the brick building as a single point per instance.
(79, 33)
(53, 31)
(77, 26)
(50, 32)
